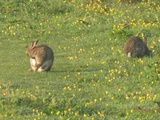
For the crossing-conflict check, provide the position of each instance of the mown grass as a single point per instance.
(91, 78)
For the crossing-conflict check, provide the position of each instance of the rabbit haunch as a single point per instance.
(135, 47)
(41, 57)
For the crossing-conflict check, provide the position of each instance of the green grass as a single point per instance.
(91, 78)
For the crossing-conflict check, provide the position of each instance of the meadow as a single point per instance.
(91, 78)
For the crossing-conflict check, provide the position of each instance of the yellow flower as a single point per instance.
(107, 92)
(127, 97)
(58, 112)
(64, 88)
(95, 100)
(85, 115)
(76, 113)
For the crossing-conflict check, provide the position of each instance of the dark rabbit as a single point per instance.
(41, 57)
(135, 47)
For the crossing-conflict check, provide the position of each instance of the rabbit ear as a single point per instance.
(145, 40)
(34, 44)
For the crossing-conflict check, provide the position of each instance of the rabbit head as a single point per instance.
(30, 48)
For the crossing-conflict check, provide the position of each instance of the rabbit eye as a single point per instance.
(33, 57)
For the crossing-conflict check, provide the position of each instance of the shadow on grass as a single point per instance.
(79, 70)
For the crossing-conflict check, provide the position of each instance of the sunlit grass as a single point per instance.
(91, 78)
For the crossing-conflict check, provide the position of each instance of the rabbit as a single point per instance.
(41, 57)
(135, 47)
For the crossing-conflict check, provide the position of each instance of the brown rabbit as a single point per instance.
(41, 57)
(135, 47)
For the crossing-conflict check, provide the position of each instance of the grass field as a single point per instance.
(91, 78)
